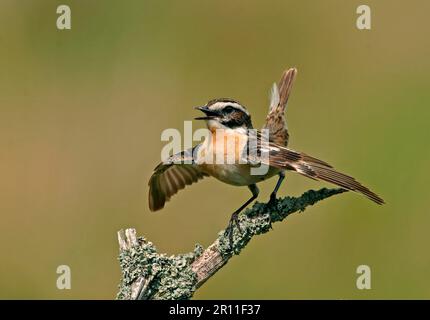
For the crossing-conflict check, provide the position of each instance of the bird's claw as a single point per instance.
(271, 204)
(273, 200)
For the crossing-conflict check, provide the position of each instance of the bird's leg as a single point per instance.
(234, 217)
(273, 198)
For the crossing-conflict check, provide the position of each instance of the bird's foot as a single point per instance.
(273, 200)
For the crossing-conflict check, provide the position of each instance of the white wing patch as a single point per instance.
(274, 97)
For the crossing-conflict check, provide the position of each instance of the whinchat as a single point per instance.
(232, 137)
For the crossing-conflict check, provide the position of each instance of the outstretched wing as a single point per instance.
(275, 120)
(171, 176)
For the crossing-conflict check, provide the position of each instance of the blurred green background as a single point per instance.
(82, 111)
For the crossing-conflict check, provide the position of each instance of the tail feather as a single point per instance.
(285, 86)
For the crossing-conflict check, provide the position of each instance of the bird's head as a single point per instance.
(225, 114)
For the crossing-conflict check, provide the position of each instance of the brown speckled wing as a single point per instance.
(170, 177)
(283, 158)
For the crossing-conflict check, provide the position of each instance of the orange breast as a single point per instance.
(227, 146)
(221, 157)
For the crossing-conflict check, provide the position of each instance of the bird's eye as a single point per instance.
(228, 109)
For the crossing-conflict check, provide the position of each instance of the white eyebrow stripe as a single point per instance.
(222, 105)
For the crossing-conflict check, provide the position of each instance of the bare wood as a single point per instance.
(208, 263)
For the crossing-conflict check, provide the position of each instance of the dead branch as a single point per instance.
(147, 274)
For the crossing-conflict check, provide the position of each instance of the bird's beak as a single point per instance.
(210, 114)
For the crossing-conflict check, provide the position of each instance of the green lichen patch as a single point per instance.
(259, 218)
(171, 276)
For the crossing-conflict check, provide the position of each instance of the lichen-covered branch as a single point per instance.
(147, 274)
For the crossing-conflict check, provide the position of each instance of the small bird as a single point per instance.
(232, 137)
